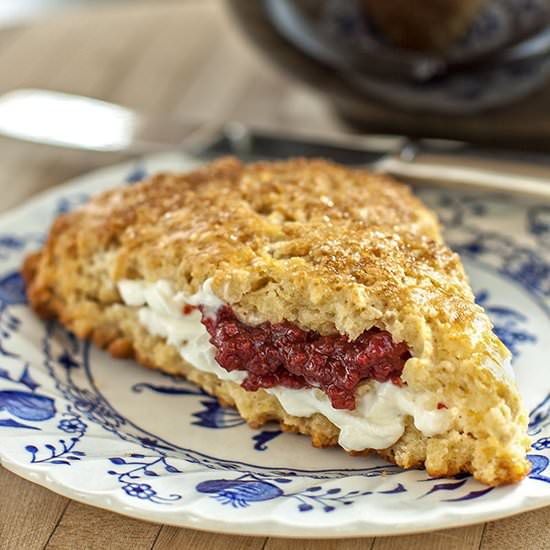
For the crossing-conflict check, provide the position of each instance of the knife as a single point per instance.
(78, 122)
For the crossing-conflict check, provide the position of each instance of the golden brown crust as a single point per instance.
(330, 249)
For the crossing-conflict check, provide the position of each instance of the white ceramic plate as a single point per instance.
(115, 435)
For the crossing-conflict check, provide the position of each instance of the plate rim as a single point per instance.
(99, 500)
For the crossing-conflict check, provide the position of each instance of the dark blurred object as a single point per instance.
(500, 56)
(424, 25)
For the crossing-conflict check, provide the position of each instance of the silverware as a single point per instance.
(78, 122)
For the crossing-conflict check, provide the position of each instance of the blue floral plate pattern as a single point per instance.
(121, 437)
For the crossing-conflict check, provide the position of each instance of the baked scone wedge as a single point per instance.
(302, 292)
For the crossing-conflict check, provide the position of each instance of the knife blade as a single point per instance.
(66, 120)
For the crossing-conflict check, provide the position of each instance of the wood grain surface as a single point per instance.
(181, 57)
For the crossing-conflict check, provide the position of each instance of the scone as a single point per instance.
(424, 24)
(302, 292)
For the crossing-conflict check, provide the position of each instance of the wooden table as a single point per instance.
(181, 57)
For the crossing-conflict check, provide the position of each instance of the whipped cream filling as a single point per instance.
(377, 422)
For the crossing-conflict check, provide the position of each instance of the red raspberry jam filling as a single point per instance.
(281, 354)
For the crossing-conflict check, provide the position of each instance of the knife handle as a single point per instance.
(464, 167)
